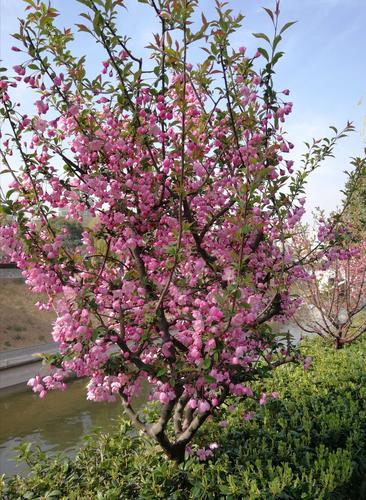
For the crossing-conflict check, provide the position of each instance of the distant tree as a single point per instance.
(334, 297)
(355, 199)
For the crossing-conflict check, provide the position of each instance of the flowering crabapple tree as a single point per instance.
(334, 299)
(355, 198)
(182, 166)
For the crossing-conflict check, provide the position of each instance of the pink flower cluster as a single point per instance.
(54, 381)
(184, 260)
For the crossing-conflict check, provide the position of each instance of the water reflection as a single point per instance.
(57, 423)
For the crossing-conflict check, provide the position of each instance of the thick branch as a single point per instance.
(133, 415)
(271, 310)
(187, 435)
(178, 414)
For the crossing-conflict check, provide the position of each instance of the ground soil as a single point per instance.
(21, 322)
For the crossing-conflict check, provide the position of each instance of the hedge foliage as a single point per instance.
(309, 443)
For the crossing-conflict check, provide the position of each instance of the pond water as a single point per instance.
(57, 423)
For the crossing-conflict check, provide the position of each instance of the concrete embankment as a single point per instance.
(18, 365)
(10, 271)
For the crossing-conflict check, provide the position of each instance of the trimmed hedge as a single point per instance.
(309, 443)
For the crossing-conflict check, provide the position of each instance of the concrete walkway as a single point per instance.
(10, 273)
(18, 365)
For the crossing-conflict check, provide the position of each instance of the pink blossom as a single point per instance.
(249, 415)
(192, 403)
(263, 398)
(307, 362)
(203, 406)
(73, 110)
(42, 107)
(20, 70)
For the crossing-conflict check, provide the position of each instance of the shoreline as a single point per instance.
(18, 365)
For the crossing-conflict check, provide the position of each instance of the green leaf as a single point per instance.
(276, 57)
(270, 13)
(276, 41)
(262, 35)
(264, 53)
(5, 209)
(161, 372)
(97, 23)
(52, 494)
(207, 363)
(10, 192)
(28, 495)
(287, 26)
(85, 2)
(82, 27)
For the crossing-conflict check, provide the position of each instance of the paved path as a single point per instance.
(25, 355)
(18, 365)
(10, 273)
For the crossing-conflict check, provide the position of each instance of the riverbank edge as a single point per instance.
(25, 355)
(14, 363)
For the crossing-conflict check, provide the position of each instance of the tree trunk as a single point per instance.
(339, 344)
(174, 451)
(177, 453)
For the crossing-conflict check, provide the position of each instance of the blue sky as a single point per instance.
(324, 67)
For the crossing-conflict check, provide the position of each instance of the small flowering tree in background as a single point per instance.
(337, 299)
(184, 170)
(355, 199)
(334, 296)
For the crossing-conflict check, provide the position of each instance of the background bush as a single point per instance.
(309, 443)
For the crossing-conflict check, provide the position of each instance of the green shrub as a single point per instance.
(309, 443)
